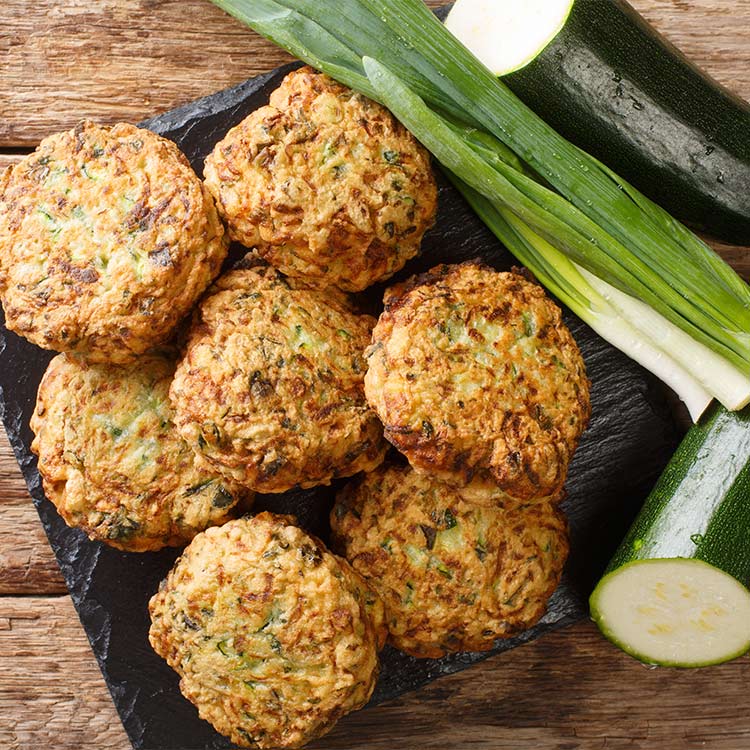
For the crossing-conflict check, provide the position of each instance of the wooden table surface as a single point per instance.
(128, 59)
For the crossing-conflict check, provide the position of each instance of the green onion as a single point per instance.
(454, 71)
(406, 36)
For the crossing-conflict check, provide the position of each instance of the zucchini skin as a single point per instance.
(700, 506)
(620, 91)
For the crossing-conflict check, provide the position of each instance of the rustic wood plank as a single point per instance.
(27, 565)
(552, 693)
(129, 59)
(52, 694)
(7, 160)
(714, 34)
(117, 60)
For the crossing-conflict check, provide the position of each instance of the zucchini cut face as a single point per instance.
(507, 34)
(676, 612)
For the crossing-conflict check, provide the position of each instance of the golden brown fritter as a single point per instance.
(112, 462)
(453, 575)
(107, 238)
(325, 183)
(477, 380)
(270, 390)
(273, 636)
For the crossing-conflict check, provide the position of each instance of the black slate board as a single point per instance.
(632, 434)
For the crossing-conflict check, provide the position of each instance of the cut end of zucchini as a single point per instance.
(506, 34)
(674, 612)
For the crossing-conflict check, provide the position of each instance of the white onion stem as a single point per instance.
(717, 376)
(626, 326)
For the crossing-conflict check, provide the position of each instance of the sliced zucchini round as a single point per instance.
(507, 34)
(676, 612)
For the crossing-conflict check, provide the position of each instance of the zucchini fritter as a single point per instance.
(453, 575)
(274, 638)
(478, 380)
(107, 238)
(325, 184)
(270, 390)
(112, 462)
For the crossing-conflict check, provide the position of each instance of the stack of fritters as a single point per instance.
(107, 241)
(481, 386)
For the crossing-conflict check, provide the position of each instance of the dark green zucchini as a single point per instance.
(615, 87)
(611, 84)
(675, 592)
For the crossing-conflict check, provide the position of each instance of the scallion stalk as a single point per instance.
(455, 72)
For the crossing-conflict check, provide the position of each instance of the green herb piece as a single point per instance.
(196, 488)
(222, 498)
(392, 157)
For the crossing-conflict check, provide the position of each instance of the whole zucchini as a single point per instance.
(675, 592)
(611, 84)
(615, 87)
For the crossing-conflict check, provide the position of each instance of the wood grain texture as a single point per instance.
(52, 694)
(552, 693)
(714, 34)
(128, 59)
(116, 60)
(27, 565)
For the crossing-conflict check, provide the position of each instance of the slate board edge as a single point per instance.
(225, 99)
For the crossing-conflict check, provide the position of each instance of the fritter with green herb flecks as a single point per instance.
(478, 380)
(270, 390)
(453, 575)
(113, 463)
(274, 638)
(107, 238)
(325, 184)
